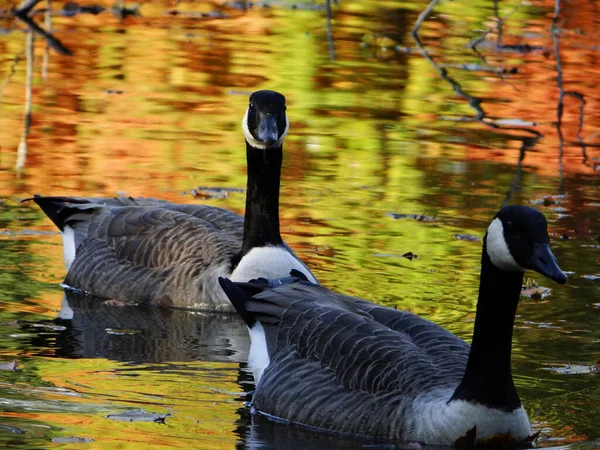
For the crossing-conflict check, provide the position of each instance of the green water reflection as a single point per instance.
(152, 106)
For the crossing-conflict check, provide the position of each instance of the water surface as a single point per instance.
(390, 151)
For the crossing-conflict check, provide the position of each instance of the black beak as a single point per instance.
(544, 262)
(267, 129)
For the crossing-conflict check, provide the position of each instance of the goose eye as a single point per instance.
(251, 105)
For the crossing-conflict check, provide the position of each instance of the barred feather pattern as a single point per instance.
(149, 251)
(347, 365)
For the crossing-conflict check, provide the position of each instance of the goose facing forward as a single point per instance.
(153, 252)
(347, 365)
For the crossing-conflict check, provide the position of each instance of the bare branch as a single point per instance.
(480, 68)
(25, 7)
(49, 38)
(422, 17)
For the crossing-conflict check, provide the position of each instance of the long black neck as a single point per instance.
(488, 378)
(261, 221)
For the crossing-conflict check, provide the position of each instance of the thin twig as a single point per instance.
(499, 27)
(561, 98)
(48, 23)
(515, 185)
(478, 68)
(579, 97)
(556, 12)
(13, 69)
(560, 105)
(474, 102)
(593, 135)
(329, 33)
(422, 17)
(22, 149)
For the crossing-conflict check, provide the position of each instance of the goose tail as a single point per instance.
(57, 208)
(240, 293)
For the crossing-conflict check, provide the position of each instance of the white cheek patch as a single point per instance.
(497, 249)
(260, 145)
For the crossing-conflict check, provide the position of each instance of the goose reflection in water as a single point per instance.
(93, 329)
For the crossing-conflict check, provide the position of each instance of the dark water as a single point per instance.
(390, 151)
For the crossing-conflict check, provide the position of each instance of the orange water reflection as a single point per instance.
(152, 105)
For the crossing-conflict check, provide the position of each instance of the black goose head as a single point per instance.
(517, 239)
(265, 123)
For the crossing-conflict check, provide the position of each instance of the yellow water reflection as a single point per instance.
(151, 106)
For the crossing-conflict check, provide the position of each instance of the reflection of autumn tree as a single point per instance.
(22, 150)
(562, 94)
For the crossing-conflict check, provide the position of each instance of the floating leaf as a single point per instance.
(409, 256)
(12, 366)
(467, 237)
(417, 217)
(138, 415)
(514, 123)
(50, 326)
(213, 192)
(592, 277)
(72, 440)
(536, 293)
(117, 332)
(114, 303)
(468, 440)
(12, 430)
(576, 369)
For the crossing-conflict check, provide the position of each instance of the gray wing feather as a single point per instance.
(150, 251)
(337, 360)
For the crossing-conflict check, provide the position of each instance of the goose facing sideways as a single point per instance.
(153, 252)
(347, 365)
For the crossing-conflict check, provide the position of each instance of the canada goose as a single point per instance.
(153, 252)
(347, 365)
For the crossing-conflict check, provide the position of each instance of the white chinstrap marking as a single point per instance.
(434, 420)
(68, 237)
(268, 262)
(260, 145)
(258, 357)
(497, 249)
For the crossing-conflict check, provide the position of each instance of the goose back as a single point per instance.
(356, 360)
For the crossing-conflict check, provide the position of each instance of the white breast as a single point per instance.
(268, 262)
(435, 420)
